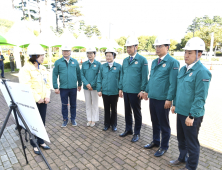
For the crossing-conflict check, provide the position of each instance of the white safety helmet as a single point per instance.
(195, 43)
(91, 49)
(67, 47)
(111, 50)
(35, 49)
(161, 41)
(131, 41)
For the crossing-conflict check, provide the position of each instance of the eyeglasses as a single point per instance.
(158, 46)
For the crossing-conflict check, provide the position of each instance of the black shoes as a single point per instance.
(126, 133)
(114, 128)
(45, 147)
(151, 145)
(3, 77)
(176, 163)
(160, 152)
(135, 138)
(36, 152)
(105, 128)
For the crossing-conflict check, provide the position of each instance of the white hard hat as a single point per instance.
(66, 47)
(91, 49)
(35, 49)
(161, 41)
(110, 50)
(131, 41)
(195, 43)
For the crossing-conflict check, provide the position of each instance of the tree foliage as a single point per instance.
(5, 25)
(204, 21)
(33, 12)
(66, 9)
(89, 30)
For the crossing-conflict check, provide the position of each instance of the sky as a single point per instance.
(117, 18)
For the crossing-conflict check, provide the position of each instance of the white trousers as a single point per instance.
(92, 108)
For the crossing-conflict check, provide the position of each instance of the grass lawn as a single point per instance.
(9, 70)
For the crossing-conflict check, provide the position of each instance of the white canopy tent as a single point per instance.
(20, 35)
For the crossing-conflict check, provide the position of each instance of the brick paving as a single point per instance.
(83, 147)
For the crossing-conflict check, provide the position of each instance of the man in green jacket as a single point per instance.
(192, 89)
(133, 81)
(68, 70)
(161, 89)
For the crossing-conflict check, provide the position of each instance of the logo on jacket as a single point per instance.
(114, 68)
(164, 65)
(94, 65)
(136, 62)
(72, 62)
(190, 74)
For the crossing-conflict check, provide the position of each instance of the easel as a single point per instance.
(13, 107)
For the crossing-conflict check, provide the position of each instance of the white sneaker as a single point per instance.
(88, 124)
(93, 124)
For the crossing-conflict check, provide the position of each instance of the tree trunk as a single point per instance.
(57, 27)
(39, 17)
(13, 6)
(63, 21)
(23, 10)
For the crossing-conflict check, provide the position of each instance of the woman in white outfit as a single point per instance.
(89, 73)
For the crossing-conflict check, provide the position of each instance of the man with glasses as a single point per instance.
(89, 73)
(161, 89)
(67, 68)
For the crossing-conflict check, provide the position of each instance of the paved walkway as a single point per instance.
(84, 147)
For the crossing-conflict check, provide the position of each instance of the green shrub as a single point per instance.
(214, 59)
(218, 53)
(6, 65)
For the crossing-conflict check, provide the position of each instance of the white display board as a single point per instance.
(23, 97)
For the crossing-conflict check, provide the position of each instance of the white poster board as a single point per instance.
(23, 97)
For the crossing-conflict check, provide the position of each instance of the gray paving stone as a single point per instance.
(4, 158)
(7, 164)
(13, 160)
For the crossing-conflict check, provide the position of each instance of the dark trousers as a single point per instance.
(131, 101)
(70, 94)
(110, 102)
(160, 123)
(188, 142)
(42, 110)
(12, 65)
(2, 70)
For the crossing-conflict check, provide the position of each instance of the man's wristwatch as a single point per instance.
(191, 117)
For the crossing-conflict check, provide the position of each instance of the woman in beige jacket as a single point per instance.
(37, 77)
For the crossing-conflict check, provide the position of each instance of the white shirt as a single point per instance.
(110, 64)
(163, 57)
(133, 56)
(91, 62)
(190, 66)
(67, 59)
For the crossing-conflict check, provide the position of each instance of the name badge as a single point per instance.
(164, 65)
(136, 62)
(190, 74)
